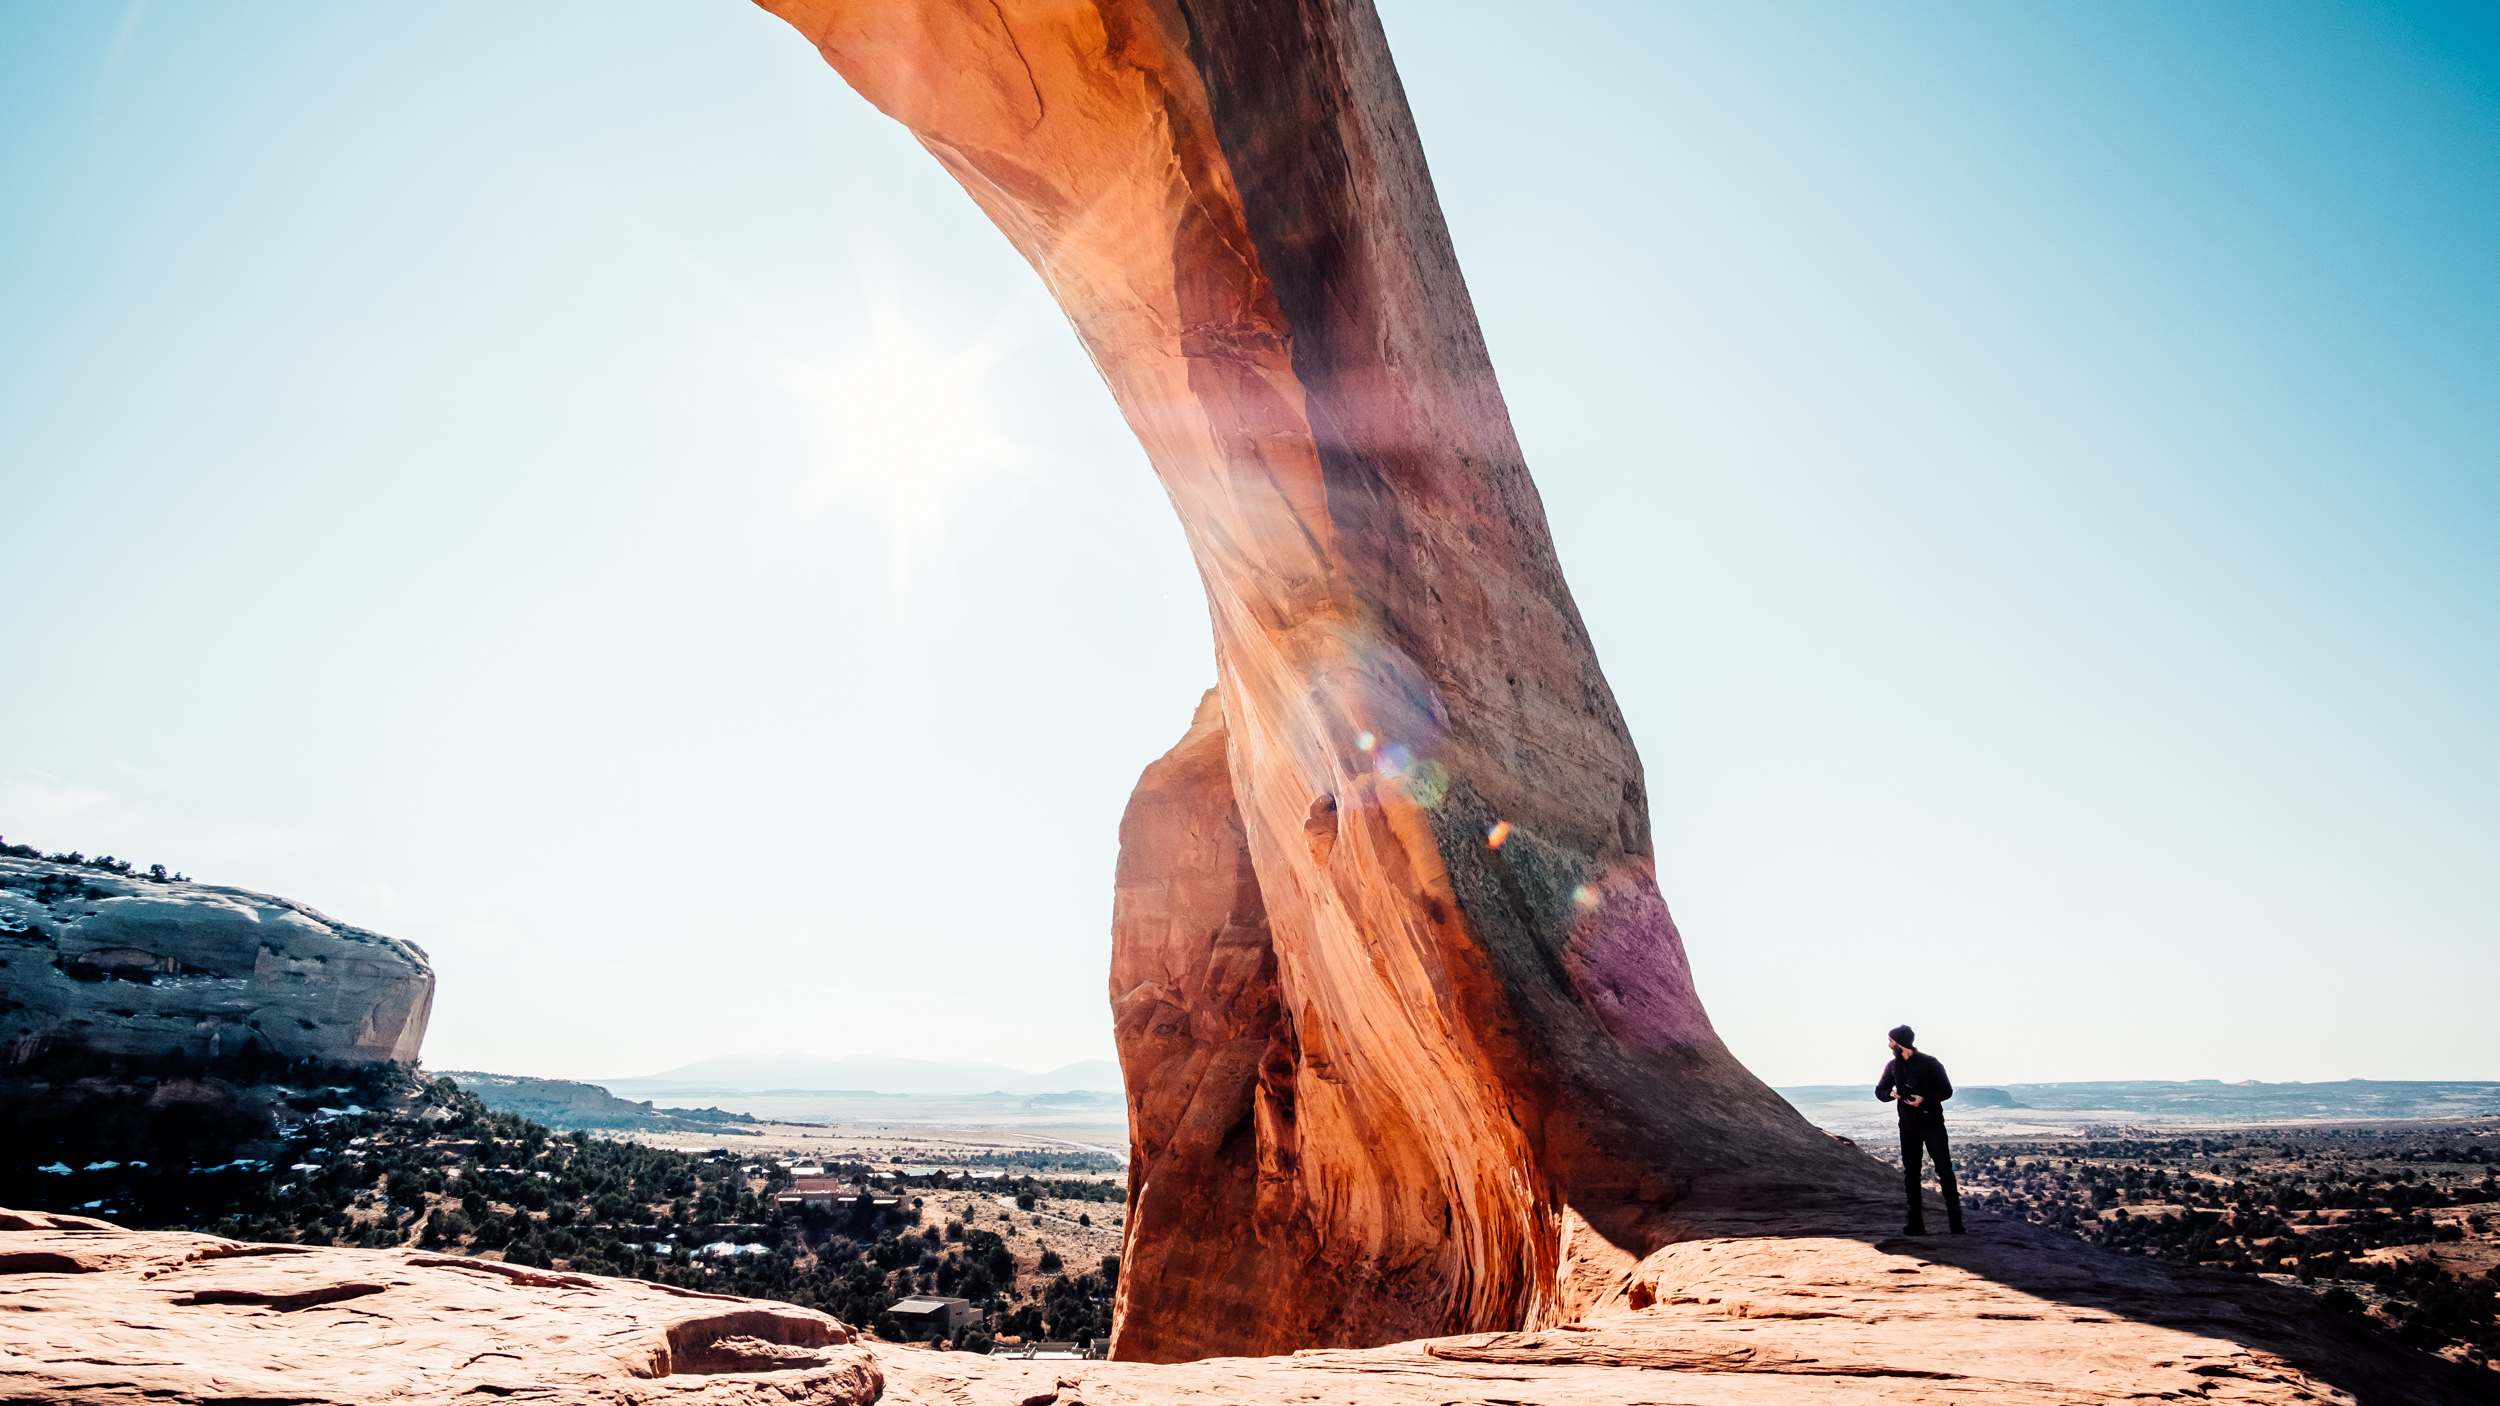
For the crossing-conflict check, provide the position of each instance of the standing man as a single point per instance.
(1917, 1081)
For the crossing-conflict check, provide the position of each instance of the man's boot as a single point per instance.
(1953, 1219)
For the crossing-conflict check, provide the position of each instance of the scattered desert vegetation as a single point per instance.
(382, 1158)
(2399, 1224)
(105, 862)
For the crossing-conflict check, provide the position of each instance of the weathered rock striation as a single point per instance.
(90, 1312)
(126, 965)
(1205, 1047)
(1411, 1042)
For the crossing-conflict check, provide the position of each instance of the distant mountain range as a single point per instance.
(1084, 1100)
(862, 1074)
(2012, 1107)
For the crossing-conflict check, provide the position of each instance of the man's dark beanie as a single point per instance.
(1905, 1035)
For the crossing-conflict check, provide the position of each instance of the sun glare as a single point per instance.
(909, 434)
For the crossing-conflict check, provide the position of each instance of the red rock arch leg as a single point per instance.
(1209, 1061)
(1502, 1087)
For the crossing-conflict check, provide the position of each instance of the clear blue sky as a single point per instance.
(570, 485)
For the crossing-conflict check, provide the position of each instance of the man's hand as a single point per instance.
(1912, 1100)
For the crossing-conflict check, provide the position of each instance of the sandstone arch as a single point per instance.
(1387, 1078)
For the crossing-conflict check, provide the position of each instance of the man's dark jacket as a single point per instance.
(1921, 1074)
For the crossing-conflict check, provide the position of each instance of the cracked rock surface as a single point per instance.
(1765, 1315)
(2010, 1315)
(90, 1312)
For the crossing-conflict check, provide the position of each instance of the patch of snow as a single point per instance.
(726, 1247)
(58, 1169)
(102, 1166)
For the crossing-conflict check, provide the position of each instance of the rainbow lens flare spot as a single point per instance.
(1364, 742)
(1493, 838)
(1428, 782)
(1586, 897)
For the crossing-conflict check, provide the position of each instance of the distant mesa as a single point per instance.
(1986, 1098)
(97, 956)
(565, 1105)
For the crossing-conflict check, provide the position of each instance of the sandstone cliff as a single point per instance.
(120, 964)
(1411, 1041)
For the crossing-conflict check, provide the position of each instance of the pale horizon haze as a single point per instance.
(573, 486)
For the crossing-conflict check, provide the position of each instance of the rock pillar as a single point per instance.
(1437, 1065)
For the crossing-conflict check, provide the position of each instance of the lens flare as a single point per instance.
(1493, 838)
(1586, 897)
(1364, 742)
(1428, 782)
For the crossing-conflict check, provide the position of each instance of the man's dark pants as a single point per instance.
(1926, 1134)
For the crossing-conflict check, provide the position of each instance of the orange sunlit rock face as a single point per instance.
(1401, 1081)
(1208, 1056)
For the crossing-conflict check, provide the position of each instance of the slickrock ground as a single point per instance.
(89, 1312)
(128, 965)
(2011, 1315)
